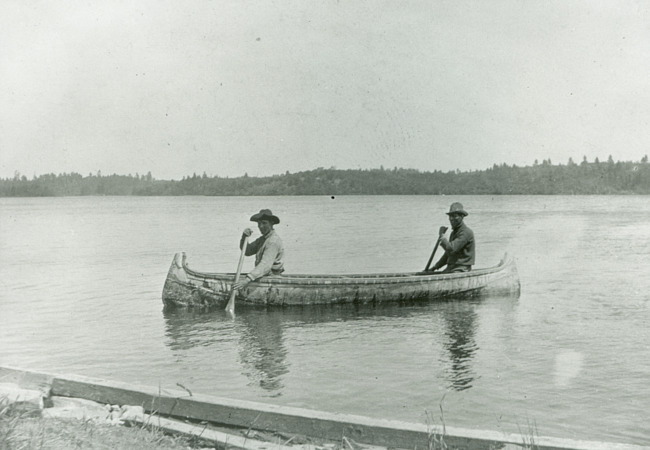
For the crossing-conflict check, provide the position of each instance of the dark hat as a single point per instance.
(457, 208)
(265, 214)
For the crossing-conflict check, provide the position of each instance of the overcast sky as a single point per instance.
(264, 87)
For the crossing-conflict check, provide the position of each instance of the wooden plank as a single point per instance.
(238, 413)
(288, 420)
(318, 424)
(26, 379)
(245, 414)
(221, 439)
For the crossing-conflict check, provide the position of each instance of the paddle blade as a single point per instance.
(230, 308)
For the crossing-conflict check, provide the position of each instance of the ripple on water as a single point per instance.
(82, 295)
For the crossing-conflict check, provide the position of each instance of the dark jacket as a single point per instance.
(460, 251)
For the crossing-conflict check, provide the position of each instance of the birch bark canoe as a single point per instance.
(187, 287)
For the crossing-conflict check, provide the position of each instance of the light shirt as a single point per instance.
(269, 254)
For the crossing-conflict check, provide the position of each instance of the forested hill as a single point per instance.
(585, 178)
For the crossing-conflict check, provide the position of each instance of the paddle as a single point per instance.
(230, 307)
(442, 231)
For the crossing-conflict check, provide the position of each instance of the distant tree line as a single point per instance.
(541, 178)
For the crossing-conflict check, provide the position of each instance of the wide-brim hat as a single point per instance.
(265, 214)
(457, 208)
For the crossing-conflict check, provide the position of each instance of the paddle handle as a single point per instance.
(432, 253)
(230, 307)
(441, 232)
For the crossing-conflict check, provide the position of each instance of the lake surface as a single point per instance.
(81, 283)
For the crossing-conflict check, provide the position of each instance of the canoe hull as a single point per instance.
(185, 287)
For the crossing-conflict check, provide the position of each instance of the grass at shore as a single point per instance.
(27, 430)
(20, 430)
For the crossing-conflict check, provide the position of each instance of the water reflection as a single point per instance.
(460, 326)
(186, 329)
(259, 339)
(262, 351)
(260, 334)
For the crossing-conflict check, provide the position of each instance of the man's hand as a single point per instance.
(247, 232)
(241, 284)
(442, 231)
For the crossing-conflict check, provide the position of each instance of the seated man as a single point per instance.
(268, 248)
(460, 248)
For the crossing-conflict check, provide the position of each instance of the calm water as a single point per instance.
(81, 281)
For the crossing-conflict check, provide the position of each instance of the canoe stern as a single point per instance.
(183, 288)
(506, 281)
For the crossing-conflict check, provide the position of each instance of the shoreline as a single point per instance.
(222, 420)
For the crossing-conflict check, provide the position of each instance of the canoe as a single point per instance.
(185, 287)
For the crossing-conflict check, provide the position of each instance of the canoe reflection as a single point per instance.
(262, 352)
(460, 326)
(260, 334)
(259, 340)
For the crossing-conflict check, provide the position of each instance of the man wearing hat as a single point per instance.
(268, 248)
(460, 248)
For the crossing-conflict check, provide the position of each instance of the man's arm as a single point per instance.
(254, 274)
(460, 241)
(252, 247)
(441, 262)
(271, 251)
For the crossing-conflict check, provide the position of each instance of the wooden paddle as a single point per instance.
(442, 231)
(230, 307)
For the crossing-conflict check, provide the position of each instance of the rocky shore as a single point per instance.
(67, 415)
(40, 404)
